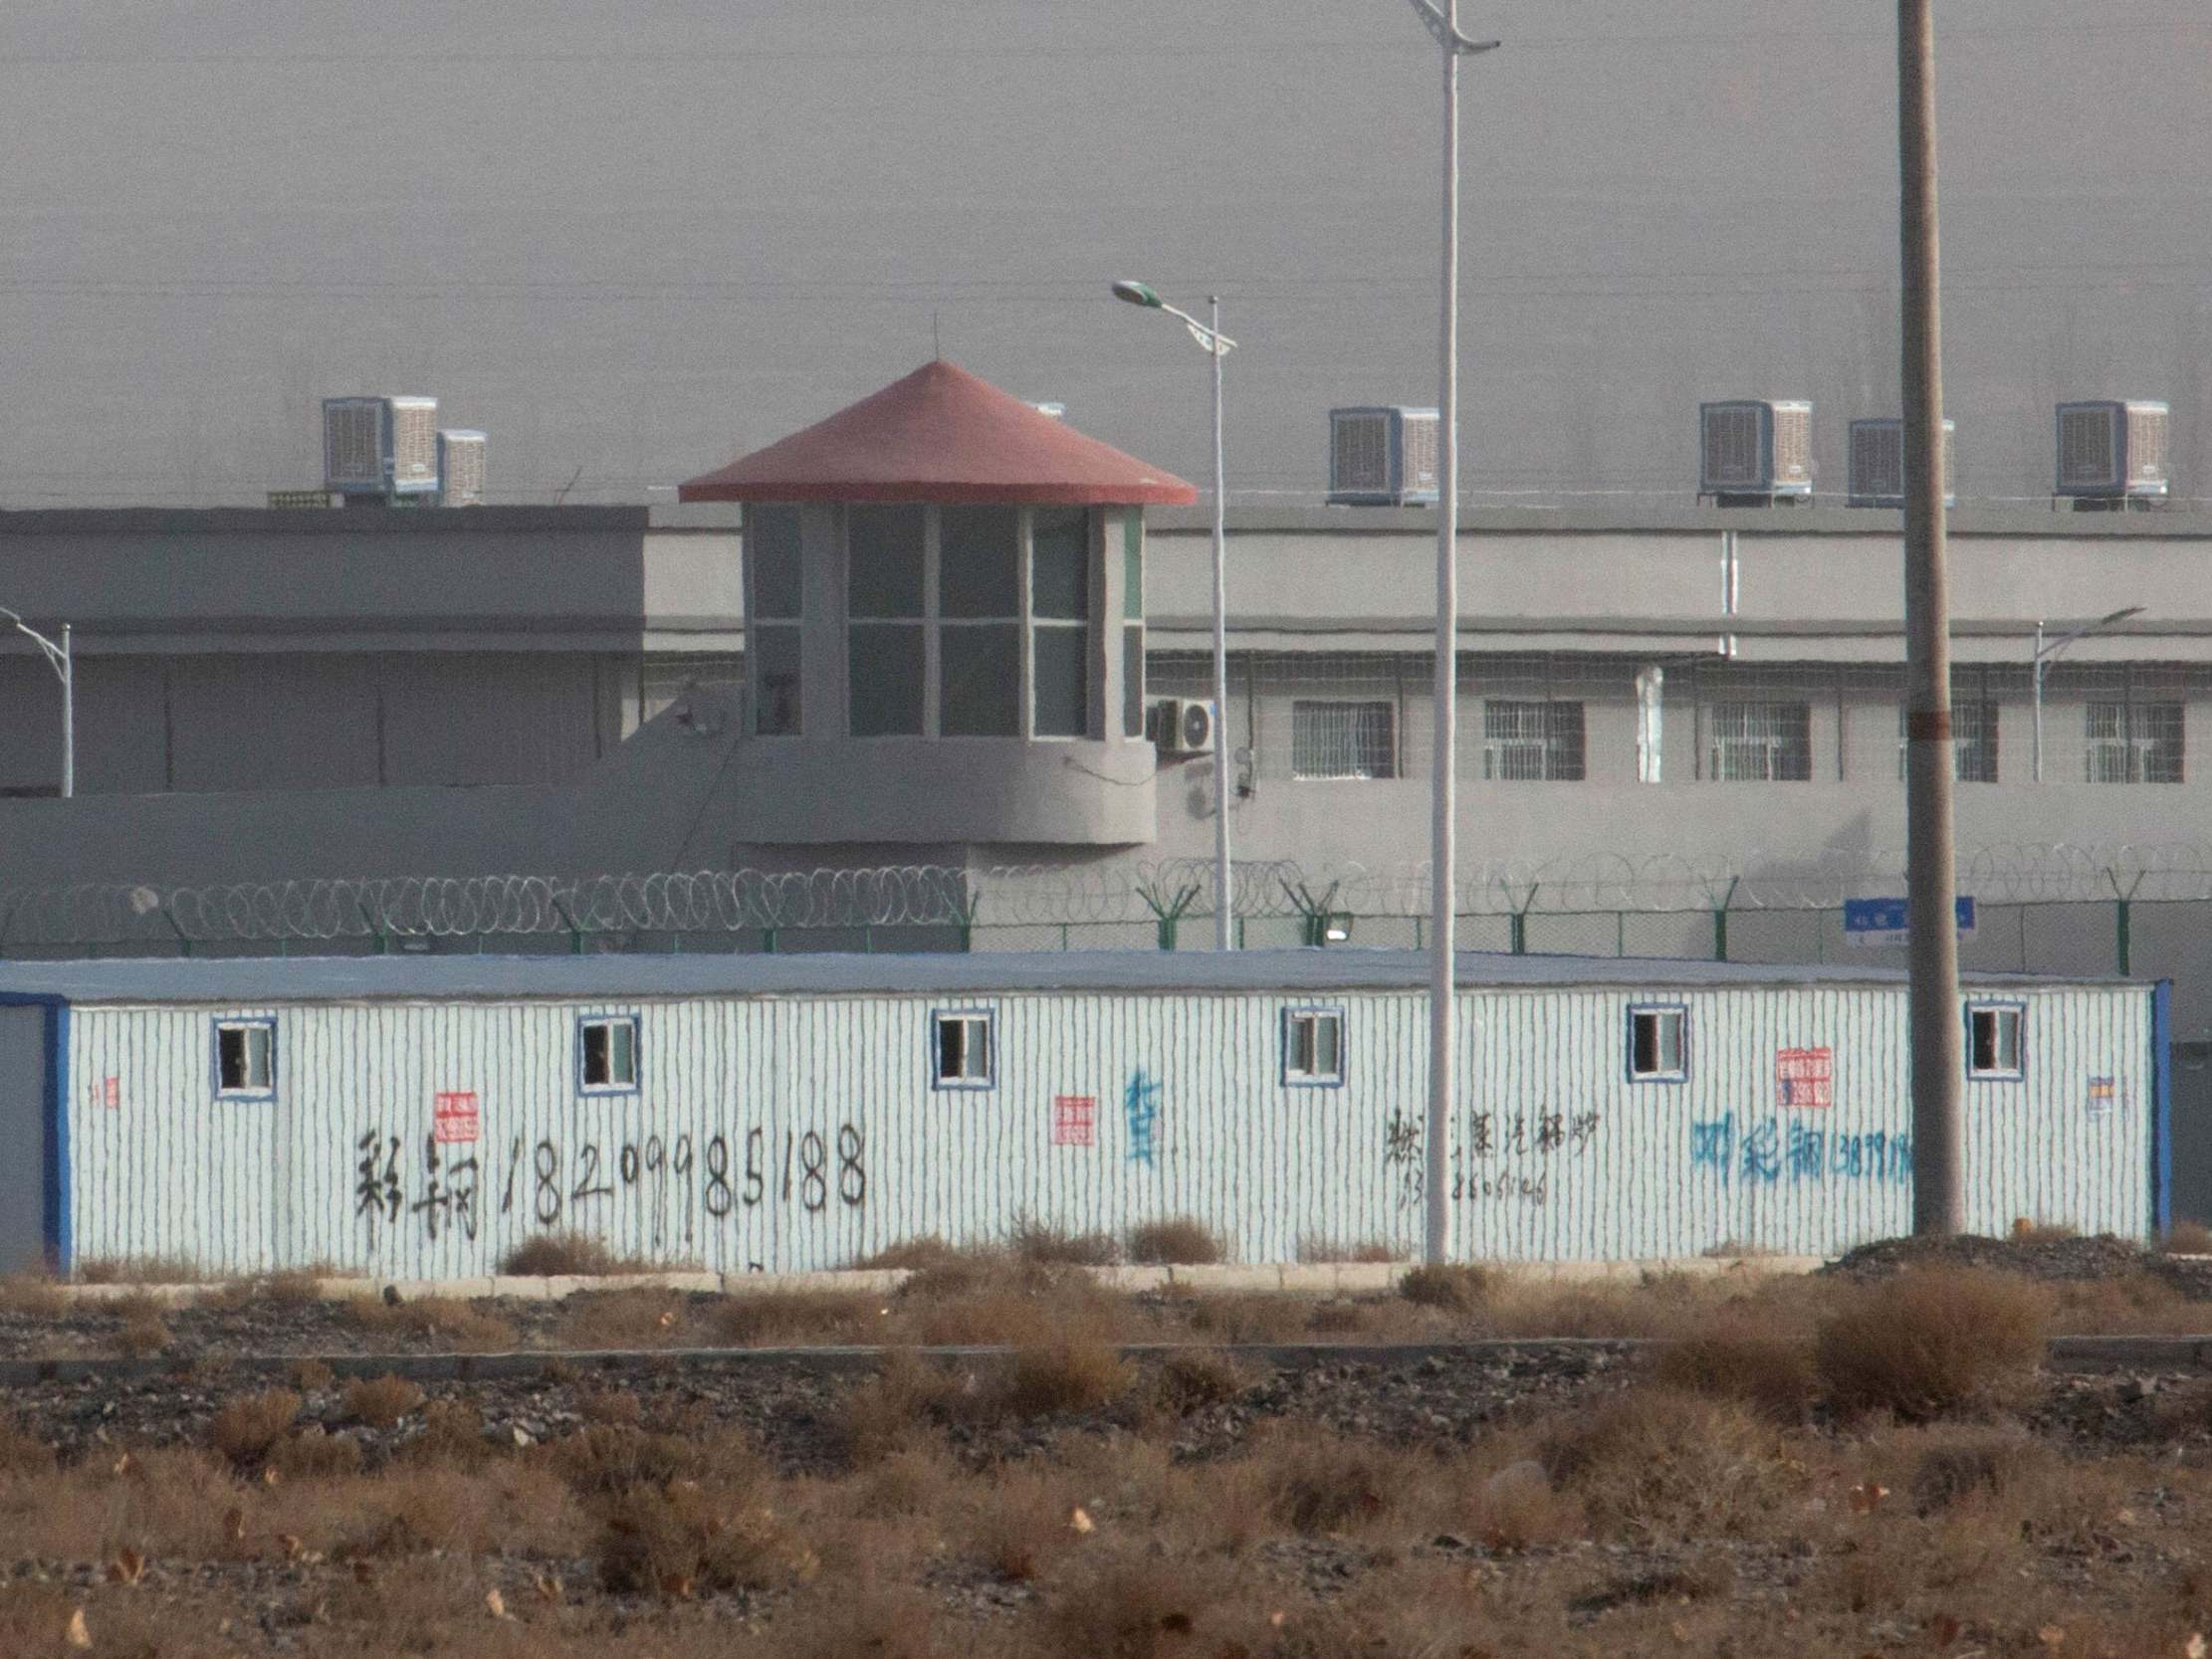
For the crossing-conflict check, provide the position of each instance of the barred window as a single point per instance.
(1532, 742)
(2135, 742)
(1973, 741)
(1761, 742)
(1343, 739)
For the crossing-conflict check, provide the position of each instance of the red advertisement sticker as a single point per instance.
(1805, 1077)
(456, 1120)
(1074, 1119)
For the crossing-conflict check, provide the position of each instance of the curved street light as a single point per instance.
(58, 659)
(1216, 345)
(2044, 654)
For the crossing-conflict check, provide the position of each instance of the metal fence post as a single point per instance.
(1720, 922)
(2122, 921)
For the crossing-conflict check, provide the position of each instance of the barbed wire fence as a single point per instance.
(2052, 909)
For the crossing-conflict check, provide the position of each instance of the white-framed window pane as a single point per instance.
(609, 1057)
(1313, 1046)
(1532, 742)
(1973, 741)
(1996, 1036)
(979, 680)
(1132, 567)
(770, 551)
(2141, 742)
(979, 562)
(1656, 1042)
(964, 1048)
(1060, 562)
(1761, 742)
(243, 1059)
(2157, 736)
(1132, 680)
(1062, 680)
(885, 678)
(776, 661)
(884, 558)
(1325, 1035)
(1343, 739)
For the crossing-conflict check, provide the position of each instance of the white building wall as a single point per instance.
(785, 1132)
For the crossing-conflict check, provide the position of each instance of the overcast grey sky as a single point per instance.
(634, 239)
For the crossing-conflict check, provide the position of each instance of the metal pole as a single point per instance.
(68, 717)
(2037, 679)
(1225, 895)
(1444, 898)
(1939, 1148)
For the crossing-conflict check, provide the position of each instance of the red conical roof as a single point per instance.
(941, 435)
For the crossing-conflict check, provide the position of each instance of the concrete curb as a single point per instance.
(1319, 1279)
(2126, 1353)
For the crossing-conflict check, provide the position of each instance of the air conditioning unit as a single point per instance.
(1182, 726)
(2113, 452)
(386, 447)
(1752, 453)
(1877, 464)
(460, 466)
(1381, 455)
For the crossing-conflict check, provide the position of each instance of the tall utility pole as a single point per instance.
(1939, 1063)
(1444, 23)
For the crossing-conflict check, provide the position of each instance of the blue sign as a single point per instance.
(1883, 921)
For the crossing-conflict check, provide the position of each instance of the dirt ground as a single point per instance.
(1872, 1462)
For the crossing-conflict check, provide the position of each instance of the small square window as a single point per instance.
(1995, 1036)
(245, 1059)
(1659, 1045)
(961, 1056)
(606, 1055)
(1313, 1047)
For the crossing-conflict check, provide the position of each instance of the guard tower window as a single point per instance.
(1659, 1045)
(1132, 625)
(1313, 1047)
(606, 1055)
(1060, 613)
(961, 1057)
(773, 611)
(245, 1059)
(1995, 1033)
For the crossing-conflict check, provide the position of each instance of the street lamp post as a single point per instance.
(1444, 872)
(59, 659)
(1216, 346)
(2044, 654)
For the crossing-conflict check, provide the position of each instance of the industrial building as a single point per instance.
(417, 1118)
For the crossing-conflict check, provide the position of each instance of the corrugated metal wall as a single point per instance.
(795, 1134)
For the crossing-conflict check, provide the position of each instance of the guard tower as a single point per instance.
(944, 601)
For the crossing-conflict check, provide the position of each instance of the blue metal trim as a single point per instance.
(601, 1090)
(54, 1160)
(1977, 1005)
(989, 1015)
(1628, 1056)
(2161, 1133)
(215, 1026)
(1282, 1034)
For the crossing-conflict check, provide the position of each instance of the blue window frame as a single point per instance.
(964, 1048)
(1313, 1048)
(1997, 1041)
(1658, 1042)
(242, 1059)
(606, 1054)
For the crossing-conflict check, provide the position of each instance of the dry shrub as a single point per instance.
(442, 1319)
(2139, 1302)
(1195, 1379)
(1655, 1463)
(246, 1427)
(912, 1255)
(1143, 1606)
(630, 1319)
(1178, 1241)
(566, 1255)
(1951, 1465)
(609, 1458)
(996, 1298)
(144, 1333)
(1316, 1250)
(22, 1453)
(139, 1270)
(315, 1454)
(1023, 1523)
(1315, 1479)
(880, 1621)
(380, 1401)
(1050, 1246)
(894, 1410)
(2187, 1238)
(1245, 1317)
(1733, 1359)
(312, 1375)
(1511, 1508)
(1340, 1318)
(1459, 1289)
(684, 1538)
(1933, 1342)
(775, 1319)
(30, 1295)
(1062, 1377)
(452, 1432)
(609, 1405)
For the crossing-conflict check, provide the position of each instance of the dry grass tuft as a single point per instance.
(1739, 1359)
(1655, 1463)
(140, 1270)
(1933, 1342)
(1062, 1377)
(1319, 1251)
(628, 1318)
(774, 1318)
(912, 1255)
(2187, 1238)
(443, 1320)
(1315, 1479)
(314, 1454)
(1455, 1289)
(1146, 1607)
(30, 1295)
(380, 1401)
(895, 1410)
(683, 1538)
(244, 1428)
(22, 1453)
(1177, 1241)
(1195, 1379)
(564, 1255)
(144, 1332)
(1045, 1245)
